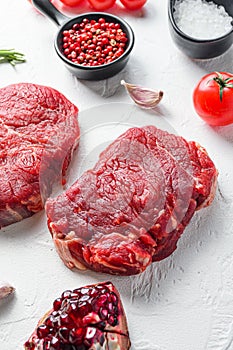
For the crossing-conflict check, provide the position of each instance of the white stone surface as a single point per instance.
(182, 303)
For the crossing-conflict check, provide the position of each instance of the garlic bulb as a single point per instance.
(5, 290)
(145, 98)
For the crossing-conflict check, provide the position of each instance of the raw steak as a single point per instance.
(132, 207)
(38, 133)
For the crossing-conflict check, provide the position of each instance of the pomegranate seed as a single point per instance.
(76, 336)
(79, 317)
(113, 299)
(46, 345)
(94, 42)
(112, 320)
(66, 294)
(54, 344)
(42, 331)
(63, 333)
(103, 313)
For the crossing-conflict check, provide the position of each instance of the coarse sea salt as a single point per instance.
(201, 19)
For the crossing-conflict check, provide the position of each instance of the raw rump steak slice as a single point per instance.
(132, 207)
(38, 133)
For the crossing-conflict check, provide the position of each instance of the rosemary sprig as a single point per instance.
(11, 56)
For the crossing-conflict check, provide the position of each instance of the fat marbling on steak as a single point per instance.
(132, 207)
(38, 133)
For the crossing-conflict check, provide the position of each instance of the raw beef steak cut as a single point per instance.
(132, 207)
(38, 133)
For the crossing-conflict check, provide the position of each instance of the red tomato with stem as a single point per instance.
(133, 4)
(101, 5)
(213, 98)
(71, 2)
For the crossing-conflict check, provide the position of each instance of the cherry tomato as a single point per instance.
(133, 4)
(71, 2)
(213, 98)
(101, 5)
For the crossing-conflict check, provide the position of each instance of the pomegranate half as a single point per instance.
(87, 318)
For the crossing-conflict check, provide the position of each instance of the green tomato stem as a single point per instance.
(223, 83)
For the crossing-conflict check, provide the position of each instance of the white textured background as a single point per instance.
(182, 303)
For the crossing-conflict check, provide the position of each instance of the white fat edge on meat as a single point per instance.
(63, 249)
(33, 202)
(197, 183)
(119, 269)
(144, 261)
(211, 196)
(103, 262)
(173, 222)
(14, 213)
(100, 260)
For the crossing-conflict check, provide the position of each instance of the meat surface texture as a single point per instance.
(132, 207)
(38, 133)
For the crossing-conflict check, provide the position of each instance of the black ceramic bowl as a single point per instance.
(105, 70)
(196, 48)
(87, 72)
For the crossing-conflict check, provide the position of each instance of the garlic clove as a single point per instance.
(145, 98)
(5, 290)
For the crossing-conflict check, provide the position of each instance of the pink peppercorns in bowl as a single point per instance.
(95, 46)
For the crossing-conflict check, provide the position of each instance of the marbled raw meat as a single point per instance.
(132, 207)
(38, 133)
